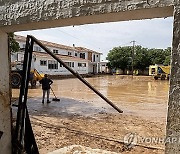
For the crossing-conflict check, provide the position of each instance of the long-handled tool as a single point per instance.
(76, 74)
(55, 99)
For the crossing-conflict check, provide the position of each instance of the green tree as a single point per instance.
(13, 45)
(157, 56)
(168, 56)
(141, 58)
(119, 57)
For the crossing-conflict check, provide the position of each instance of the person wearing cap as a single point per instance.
(46, 83)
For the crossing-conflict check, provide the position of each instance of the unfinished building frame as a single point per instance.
(18, 15)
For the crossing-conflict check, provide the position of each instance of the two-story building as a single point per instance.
(92, 56)
(80, 59)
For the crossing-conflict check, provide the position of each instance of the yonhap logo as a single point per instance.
(130, 139)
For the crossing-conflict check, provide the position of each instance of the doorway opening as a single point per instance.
(80, 118)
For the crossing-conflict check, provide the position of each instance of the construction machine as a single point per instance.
(16, 75)
(159, 71)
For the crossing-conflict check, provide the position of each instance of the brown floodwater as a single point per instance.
(140, 96)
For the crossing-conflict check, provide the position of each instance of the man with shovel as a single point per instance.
(46, 83)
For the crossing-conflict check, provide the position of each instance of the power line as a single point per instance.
(79, 39)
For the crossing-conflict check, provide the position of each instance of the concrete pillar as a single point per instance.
(173, 120)
(5, 110)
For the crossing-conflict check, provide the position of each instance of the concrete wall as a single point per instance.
(16, 15)
(30, 14)
(5, 114)
(173, 120)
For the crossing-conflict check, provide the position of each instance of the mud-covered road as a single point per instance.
(83, 118)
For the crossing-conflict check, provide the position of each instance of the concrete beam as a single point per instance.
(27, 15)
(5, 109)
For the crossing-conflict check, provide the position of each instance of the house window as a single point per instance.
(81, 64)
(82, 55)
(55, 51)
(76, 54)
(68, 64)
(52, 64)
(94, 58)
(43, 62)
(69, 53)
(24, 45)
(96, 55)
(36, 48)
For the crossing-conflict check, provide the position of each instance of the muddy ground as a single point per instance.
(82, 118)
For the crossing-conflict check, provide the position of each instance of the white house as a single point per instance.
(80, 59)
(44, 63)
(104, 67)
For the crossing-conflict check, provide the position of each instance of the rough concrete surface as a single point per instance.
(18, 15)
(5, 114)
(173, 121)
(31, 11)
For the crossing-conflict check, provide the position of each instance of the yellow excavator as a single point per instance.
(159, 71)
(16, 75)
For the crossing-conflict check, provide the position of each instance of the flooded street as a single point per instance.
(141, 96)
(143, 100)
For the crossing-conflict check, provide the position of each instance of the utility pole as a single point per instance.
(133, 49)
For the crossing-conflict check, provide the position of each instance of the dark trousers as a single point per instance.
(44, 93)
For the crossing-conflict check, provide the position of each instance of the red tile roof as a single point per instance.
(55, 45)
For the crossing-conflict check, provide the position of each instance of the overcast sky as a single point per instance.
(154, 33)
